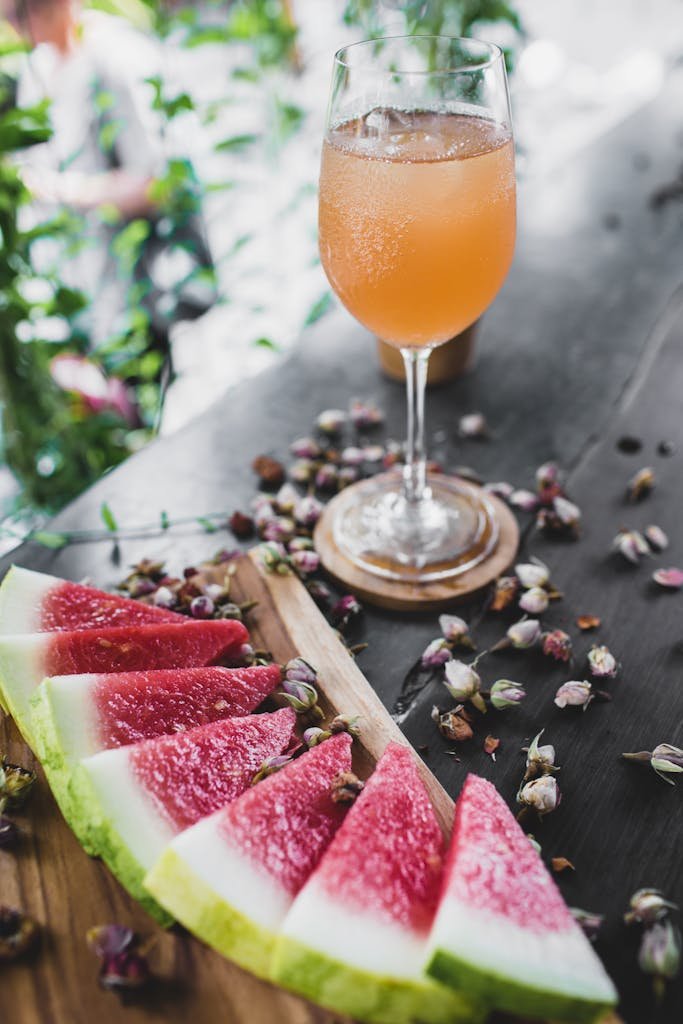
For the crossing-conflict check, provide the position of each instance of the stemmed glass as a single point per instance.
(417, 228)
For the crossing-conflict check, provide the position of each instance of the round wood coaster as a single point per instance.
(399, 596)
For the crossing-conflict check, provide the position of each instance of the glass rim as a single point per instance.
(494, 51)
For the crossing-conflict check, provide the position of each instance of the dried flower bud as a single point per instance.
(640, 484)
(9, 833)
(302, 697)
(315, 735)
(660, 954)
(109, 939)
(124, 971)
(320, 592)
(331, 421)
(308, 511)
(535, 600)
(540, 760)
(346, 608)
(563, 517)
(16, 784)
(547, 475)
(436, 653)
(269, 470)
(463, 683)
(648, 906)
(589, 923)
(506, 694)
(202, 607)
(285, 499)
(373, 452)
(347, 475)
(164, 598)
(540, 795)
(532, 574)
(671, 579)
(230, 610)
(274, 557)
(270, 766)
(524, 634)
(353, 456)
(453, 724)
(473, 425)
(365, 414)
(305, 562)
(667, 759)
(278, 528)
(305, 448)
(302, 471)
(345, 723)
(18, 934)
(455, 630)
(631, 545)
(242, 526)
(327, 478)
(297, 670)
(141, 586)
(557, 644)
(602, 662)
(656, 538)
(345, 787)
(506, 588)
(575, 693)
(500, 488)
(527, 501)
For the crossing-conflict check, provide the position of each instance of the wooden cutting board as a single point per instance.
(52, 879)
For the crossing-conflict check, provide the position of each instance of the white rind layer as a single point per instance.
(354, 936)
(232, 874)
(21, 597)
(74, 716)
(22, 667)
(124, 803)
(489, 941)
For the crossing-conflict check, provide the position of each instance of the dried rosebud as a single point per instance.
(286, 498)
(202, 607)
(527, 501)
(365, 414)
(274, 557)
(547, 475)
(302, 471)
(602, 662)
(270, 766)
(563, 516)
(278, 528)
(347, 475)
(656, 538)
(230, 610)
(346, 608)
(671, 579)
(109, 939)
(327, 478)
(574, 693)
(305, 448)
(660, 954)
(320, 592)
(164, 598)
(455, 630)
(270, 472)
(436, 653)
(141, 586)
(631, 545)
(453, 724)
(148, 567)
(535, 601)
(308, 511)
(18, 934)
(345, 787)
(506, 588)
(353, 456)
(648, 906)
(302, 697)
(242, 526)
(345, 723)
(524, 634)
(589, 923)
(127, 970)
(16, 784)
(500, 488)
(305, 562)
(373, 452)
(532, 574)
(506, 694)
(9, 833)
(540, 760)
(540, 795)
(640, 484)
(299, 671)
(557, 644)
(300, 544)
(473, 425)
(246, 655)
(464, 684)
(331, 421)
(315, 735)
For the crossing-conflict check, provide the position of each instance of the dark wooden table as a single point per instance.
(584, 345)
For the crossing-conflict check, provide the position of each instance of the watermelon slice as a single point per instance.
(141, 796)
(26, 660)
(503, 930)
(73, 717)
(356, 936)
(231, 878)
(33, 602)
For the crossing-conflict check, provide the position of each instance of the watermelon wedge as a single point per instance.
(139, 797)
(73, 717)
(26, 660)
(503, 930)
(33, 602)
(356, 936)
(231, 878)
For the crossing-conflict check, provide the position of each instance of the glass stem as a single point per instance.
(415, 469)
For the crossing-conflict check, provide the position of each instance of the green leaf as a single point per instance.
(319, 308)
(236, 143)
(266, 343)
(165, 521)
(206, 524)
(107, 517)
(48, 539)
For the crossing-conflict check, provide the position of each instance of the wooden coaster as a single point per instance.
(407, 597)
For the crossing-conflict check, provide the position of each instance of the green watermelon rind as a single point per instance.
(516, 998)
(203, 912)
(15, 654)
(365, 996)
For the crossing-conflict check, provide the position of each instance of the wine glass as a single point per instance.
(417, 229)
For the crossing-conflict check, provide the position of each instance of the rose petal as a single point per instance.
(561, 864)
(586, 622)
(491, 745)
(672, 579)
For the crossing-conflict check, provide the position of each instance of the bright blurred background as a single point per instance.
(158, 166)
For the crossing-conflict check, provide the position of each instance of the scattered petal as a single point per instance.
(491, 744)
(588, 622)
(656, 538)
(561, 864)
(527, 501)
(672, 579)
(506, 588)
(631, 545)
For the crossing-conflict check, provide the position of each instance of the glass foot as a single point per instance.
(448, 532)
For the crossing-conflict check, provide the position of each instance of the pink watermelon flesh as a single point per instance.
(194, 773)
(286, 822)
(387, 857)
(130, 648)
(72, 606)
(133, 706)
